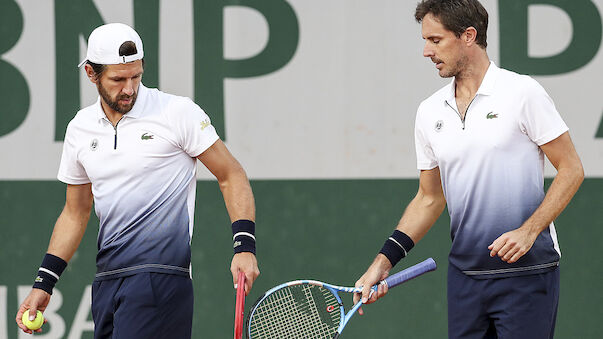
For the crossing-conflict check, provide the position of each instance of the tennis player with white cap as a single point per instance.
(133, 153)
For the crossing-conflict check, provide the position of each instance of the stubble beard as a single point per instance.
(114, 104)
(456, 69)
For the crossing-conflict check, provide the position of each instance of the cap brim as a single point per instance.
(82, 63)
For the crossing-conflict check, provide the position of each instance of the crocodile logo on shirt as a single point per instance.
(146, 136)
(205, 123)
(491, 115)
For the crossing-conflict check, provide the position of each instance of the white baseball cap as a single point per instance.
(104, 43)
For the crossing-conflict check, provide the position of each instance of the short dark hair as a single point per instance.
(457, 16)
(127, 48)
(97, 68)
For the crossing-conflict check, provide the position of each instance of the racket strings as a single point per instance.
(299, 311)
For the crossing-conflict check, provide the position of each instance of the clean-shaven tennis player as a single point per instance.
(134, 154)
(480, 144)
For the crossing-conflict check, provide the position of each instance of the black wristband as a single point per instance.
(49, 272)
(397, 247)
(243, 236)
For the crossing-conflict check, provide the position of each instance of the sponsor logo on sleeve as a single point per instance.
(205, 123)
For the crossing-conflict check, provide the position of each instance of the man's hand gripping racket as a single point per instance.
(312, 309)
(239, 307)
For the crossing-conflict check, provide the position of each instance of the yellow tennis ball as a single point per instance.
(33, 325)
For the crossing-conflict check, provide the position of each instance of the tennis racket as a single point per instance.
(239, 307)
(312, 309)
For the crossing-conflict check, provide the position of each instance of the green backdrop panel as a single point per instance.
(326, 230)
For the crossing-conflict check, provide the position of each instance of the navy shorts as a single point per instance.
(516, 307)
(143, 305)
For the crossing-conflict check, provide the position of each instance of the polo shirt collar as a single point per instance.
(100, 114)
(486, 87)
(136, 111)
(138, 108)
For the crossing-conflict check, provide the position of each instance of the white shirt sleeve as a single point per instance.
(71, 170)
(193, 127)
(426, 159)
(540, 119)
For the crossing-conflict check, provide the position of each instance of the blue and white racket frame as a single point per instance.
(394, 280)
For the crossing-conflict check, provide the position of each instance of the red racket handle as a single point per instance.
(239, 307)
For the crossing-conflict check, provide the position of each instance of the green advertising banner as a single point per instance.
(327, 230)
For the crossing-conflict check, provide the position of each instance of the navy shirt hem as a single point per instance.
(155, 268)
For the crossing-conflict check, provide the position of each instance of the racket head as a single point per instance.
(239, 307)
(297, 309)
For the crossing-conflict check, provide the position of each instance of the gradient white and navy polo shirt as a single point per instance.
(143, 180)
(491, 167)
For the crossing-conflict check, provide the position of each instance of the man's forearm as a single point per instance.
(564, 186)
(71, 224)
(238, 196)
(67, 235)
(420, 215)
